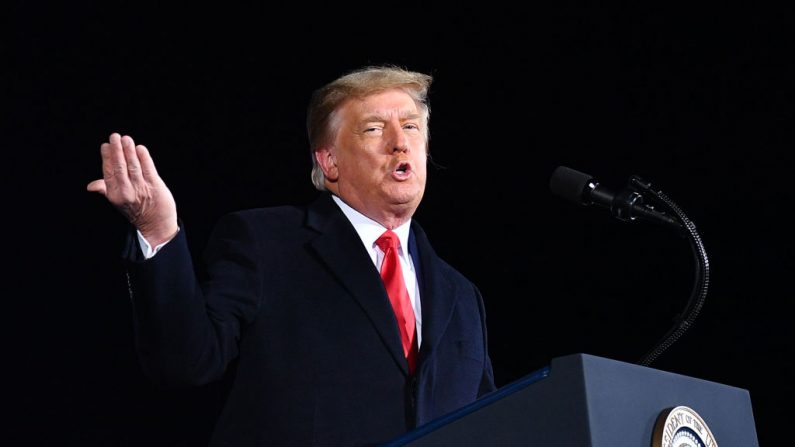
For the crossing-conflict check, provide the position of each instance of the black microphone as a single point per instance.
(626, 205)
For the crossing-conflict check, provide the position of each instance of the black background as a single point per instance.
(698, 101)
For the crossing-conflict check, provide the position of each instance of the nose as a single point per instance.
(398, 141)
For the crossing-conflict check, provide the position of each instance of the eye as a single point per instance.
(373, 129)
(411, 126)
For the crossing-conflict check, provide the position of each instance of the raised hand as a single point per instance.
(131, 183)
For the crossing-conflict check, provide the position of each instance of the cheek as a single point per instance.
(364, 172)
(421, 166)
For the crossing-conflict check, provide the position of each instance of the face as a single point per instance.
(377, 162)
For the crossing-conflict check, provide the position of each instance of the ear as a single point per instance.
(328, 163)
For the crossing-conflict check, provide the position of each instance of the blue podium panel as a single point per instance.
(587, 401)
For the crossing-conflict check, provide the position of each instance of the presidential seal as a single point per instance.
(681, 427)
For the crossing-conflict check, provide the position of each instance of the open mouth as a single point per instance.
(402, 171)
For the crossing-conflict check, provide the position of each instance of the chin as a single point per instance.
(405, 196)
(406, 203)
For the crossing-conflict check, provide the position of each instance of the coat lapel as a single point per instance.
(340, 248)
(436, 292)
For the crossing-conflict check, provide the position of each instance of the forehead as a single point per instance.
(386, 104)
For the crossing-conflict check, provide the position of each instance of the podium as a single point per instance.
(582, 400)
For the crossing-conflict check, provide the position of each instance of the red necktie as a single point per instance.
(395, 286)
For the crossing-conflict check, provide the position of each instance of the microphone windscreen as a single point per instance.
(569, 183)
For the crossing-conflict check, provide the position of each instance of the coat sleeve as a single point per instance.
(186, 333)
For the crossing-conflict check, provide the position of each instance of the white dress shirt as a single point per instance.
(369, 231)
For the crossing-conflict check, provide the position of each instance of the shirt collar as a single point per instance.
(369, 230)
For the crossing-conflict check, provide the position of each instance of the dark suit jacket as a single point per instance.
(295, 299)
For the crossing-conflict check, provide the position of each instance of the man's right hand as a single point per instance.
(130, 182)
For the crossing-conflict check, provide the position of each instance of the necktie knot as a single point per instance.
(387, 240)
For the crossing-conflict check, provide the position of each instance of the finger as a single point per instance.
(131, 158)
(97, 186)
(147, 164)
(107, 160)
(114, 167)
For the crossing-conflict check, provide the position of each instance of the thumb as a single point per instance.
(97, 186)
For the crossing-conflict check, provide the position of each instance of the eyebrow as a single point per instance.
(382, 117)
